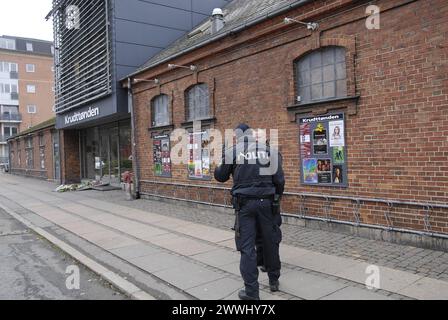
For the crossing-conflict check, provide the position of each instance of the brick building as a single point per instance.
(361, 112)
(26, 86)
(35, 152)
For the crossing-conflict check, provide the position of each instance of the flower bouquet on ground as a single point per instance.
(128, 179)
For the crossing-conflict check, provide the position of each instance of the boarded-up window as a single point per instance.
(29, 152)
(198, 102)
(160, 111)
(321, 75)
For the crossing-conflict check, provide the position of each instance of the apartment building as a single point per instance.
(26, 86)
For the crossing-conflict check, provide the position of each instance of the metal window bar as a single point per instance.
(90, 18)
(357, 211)
(302, 208)
(76, 85)
(388, 215)
(78, 53)
(74, 40)
(71, 60)
(81, 95)
(88, 59)
(427, 219)
(80, 84)
(327, 209)
(82, 102)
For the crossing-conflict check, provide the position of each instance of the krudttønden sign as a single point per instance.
(84, 115)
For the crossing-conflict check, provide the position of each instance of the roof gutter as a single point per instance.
(28, 133)
(224, 34)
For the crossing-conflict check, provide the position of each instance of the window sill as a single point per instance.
(321, 102)
(205, 121)
(349, 103)
(165, 127)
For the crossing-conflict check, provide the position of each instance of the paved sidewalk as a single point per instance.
(199, 258)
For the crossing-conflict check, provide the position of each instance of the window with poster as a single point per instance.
(162, 155)
(198, 109)
(323, 153)
(199, 155)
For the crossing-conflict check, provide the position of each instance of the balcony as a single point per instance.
(11, 117)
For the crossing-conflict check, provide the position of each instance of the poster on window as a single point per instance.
(323, 150)
(161, 156)
(199, 158)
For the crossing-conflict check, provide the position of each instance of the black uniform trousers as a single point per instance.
(259, 248)
(255, 217)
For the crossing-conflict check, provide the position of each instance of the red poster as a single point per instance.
(305, 140)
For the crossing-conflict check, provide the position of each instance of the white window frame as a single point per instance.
(198, 102)
(30, 67)
(321, 75)
(29, 46)
(160, 111)
(9, 44)
(31, 106)
(31, 88)
(8, 88)
(6, 66)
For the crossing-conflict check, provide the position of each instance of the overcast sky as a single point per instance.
(26, 18)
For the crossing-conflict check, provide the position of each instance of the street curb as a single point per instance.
(124, 285)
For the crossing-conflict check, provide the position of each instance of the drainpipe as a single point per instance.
(135, 163)
(9, 165)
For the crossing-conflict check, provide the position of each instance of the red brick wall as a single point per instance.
(396, 133)
(70, 162)
(36, 170)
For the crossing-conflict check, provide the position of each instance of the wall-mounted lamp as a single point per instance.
(156, 81)
(309, 25)
(191, 67)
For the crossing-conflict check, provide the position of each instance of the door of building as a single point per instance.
(109, 146)
(106, 152)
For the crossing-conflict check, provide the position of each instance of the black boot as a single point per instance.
(244, 296)
(273, 285)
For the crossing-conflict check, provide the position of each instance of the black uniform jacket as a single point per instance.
(256, 169)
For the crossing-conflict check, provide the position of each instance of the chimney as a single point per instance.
(217, 20)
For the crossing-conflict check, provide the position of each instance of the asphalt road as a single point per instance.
(31, 268)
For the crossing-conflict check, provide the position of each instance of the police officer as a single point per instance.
(258, 182)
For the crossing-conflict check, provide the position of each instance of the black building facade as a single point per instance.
(98, 42)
